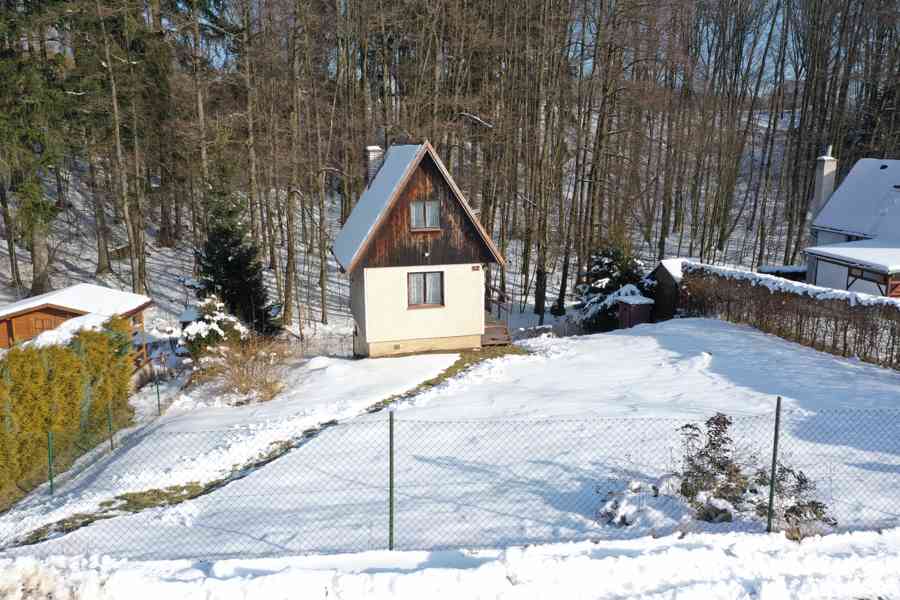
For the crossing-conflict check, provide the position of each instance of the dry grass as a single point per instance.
(249, 368)
(252, 367)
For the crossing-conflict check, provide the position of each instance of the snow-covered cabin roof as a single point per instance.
(867, 203)
(673, 266)
(880, 254)
(399, 163)
(82, 298)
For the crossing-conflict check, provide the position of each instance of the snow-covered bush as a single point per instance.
(212, 329)
(709, 465)
(612, 274)
(719, 487)
(794, 504)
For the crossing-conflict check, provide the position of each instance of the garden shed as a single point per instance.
(667, 292)
(26, 319)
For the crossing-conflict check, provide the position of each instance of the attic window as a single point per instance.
(425, 214)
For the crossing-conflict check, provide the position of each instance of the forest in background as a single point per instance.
(675, 127)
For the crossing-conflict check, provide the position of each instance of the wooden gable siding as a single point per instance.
(894, 287)
(25, 326)
(457, 241)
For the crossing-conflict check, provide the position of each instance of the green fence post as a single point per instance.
(156, 381)
(390, 479)
(109, 426)
(50, 459)
(774, 465)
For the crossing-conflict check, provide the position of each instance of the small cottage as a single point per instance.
(855, 232)
(416, 256)
(26, 319)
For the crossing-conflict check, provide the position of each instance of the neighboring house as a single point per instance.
(28, 318)
(855, 232)
(415, 253)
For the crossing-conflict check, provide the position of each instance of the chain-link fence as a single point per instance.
(384, 481)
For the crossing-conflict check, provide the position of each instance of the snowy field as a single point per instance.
(200, 438)
(697, 567)
(519, 449)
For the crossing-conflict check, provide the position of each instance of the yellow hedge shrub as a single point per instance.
(70, 390)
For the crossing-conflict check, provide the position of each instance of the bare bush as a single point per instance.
(251, 367)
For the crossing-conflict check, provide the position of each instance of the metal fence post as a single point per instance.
(390, 479)
(50, 459)
(156, 381)
(774, 465)
(109, 427)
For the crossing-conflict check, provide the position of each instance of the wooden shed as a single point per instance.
(667, 294)
(26, 319)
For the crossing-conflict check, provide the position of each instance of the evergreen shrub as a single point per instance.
(77, 391)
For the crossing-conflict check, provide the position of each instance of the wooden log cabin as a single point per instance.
(416, 256)
(26, 319)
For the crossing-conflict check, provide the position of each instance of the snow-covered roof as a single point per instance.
(374, 204)
(399, 162)
(82, 298)
(880, 254)
(867, 203)
(673, 266)
(775, 269)
(189, 314)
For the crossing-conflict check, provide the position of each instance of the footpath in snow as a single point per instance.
(701, 567)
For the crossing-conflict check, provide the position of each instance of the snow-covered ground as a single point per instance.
(200, 438)
(520, 449)
(701, 567)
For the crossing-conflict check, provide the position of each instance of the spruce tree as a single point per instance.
(230, 268)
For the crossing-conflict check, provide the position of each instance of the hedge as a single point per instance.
(78, 391)
(835, 321)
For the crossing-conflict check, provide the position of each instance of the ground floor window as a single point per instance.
(425, 289)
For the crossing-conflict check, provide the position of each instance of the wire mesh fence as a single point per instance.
(387, 482)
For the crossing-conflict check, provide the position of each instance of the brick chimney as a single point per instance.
(826, 166)
(374, 158)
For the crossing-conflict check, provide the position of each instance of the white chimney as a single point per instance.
(826, 166)
(374, 158)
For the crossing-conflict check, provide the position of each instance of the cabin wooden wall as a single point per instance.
(894, 287)
(456, 242)
(23, 327)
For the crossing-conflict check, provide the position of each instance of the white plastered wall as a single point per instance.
(389, 318)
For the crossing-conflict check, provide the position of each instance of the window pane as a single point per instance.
(417, 214)
(432, 213)
(435, 288)
(416, 288)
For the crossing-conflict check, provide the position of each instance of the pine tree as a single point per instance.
(230, 268)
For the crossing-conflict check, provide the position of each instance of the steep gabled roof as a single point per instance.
(82, 298)
(379, 197)
(867, 203)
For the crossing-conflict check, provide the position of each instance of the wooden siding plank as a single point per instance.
(457, 241)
